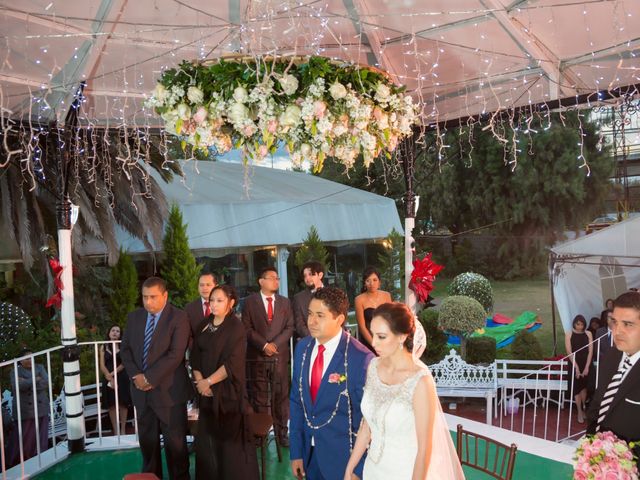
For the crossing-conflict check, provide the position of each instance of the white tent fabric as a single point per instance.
(589, 270)
(228, 205)
(461, 58)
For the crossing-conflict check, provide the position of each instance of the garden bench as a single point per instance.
(456, 378)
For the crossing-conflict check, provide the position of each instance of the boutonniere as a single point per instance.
(337, 378)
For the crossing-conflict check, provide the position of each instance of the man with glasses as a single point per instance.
(268, 319)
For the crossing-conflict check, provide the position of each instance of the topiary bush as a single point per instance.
(481, 350)
(461, 315)
(436, 338)
(526, 347)
(16, 330)
(475, 286)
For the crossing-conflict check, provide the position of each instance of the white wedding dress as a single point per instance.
(388, 409)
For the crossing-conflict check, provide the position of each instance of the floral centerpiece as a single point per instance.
(315, 106)
(604, 456)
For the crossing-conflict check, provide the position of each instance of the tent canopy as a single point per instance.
(589, 270)
(228, 205)
(457, 58)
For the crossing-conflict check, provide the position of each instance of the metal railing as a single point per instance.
(15, 461)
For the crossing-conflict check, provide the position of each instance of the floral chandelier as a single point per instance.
(315, 106)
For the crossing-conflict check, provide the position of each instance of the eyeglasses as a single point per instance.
(271, 278)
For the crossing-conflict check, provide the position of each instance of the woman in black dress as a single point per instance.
(365, 303)
(224, 446)
(107, 352)
(580, 357)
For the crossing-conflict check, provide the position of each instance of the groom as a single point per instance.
(329, 372)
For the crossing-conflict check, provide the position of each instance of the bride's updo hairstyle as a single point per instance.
(400, 320)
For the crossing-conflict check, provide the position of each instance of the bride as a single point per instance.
(403, 425)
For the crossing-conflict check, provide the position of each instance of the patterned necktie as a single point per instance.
(316, 373)
(269, 309)
(207, 309)
(148, 333)
(611, 391)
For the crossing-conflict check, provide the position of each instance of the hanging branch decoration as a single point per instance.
(423, 275)
(315, 106)
(56, 299)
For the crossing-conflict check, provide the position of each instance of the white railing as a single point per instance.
(13, 457)
(537, 397)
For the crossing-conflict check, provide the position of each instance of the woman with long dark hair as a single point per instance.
(113, 376)
(224, 445)
(365, 303)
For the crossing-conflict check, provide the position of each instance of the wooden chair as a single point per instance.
(482, 453)
(262, 373)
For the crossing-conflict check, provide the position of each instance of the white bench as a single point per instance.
(456, 378)
(535, 379)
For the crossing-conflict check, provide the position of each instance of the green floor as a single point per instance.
(114, 465)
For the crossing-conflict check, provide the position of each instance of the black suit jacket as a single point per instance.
(166, 370)
(195, 313)
(301, 301)
(623, 417)
(261, 332)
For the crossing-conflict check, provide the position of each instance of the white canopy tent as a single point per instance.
(587, 271)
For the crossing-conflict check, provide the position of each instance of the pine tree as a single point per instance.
(392, 265)
(179, 268)
(125, 291)
(312, 249)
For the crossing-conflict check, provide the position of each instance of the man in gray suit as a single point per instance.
(312, 274)
(268, 319)
(152, 351)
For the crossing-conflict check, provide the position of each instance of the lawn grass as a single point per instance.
(511, 298)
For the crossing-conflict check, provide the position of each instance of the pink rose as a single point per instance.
(319, 108)
(248, 130)
(611, 475)
(580, 475)
(200, 115)
(272, 126)
(262, 151)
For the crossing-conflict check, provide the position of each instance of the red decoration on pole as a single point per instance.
(423, 275)
(56, 299)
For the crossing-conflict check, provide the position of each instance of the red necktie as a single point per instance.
(270, 309)
(207, 309)
(316, 373)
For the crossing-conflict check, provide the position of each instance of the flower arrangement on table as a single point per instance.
(604, 456)
(315, 106)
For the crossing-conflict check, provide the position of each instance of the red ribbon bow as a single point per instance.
(56, 298)
(423, 275)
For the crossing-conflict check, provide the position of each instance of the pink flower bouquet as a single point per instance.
(604, 456)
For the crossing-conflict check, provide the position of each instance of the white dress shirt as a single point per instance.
(330, 349)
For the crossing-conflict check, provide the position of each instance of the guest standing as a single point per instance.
(312, 274)
(29, 401)
(112, 377)
(153, 349)
(268, 319)
(578, 344)
(224, 446)
(365, 303)
(198, 311)
(615, 406)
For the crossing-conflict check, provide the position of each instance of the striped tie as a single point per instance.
(148, 333)
(611, 391)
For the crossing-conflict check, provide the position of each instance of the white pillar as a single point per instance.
(409, 296)
(282, 255)
(74, 409)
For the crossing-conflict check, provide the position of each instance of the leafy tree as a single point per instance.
(391, 262)
(179, 267)
(461, 316)
(312, 249)
(125, 290)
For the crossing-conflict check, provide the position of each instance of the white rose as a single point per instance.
(170, 116)
(184, 112)
(160, 93)
(289, 84)
(291, 116)
(305, 150)
(382, 92)
(240, 95)
(337, 91)
(195, 95)
(238, 112)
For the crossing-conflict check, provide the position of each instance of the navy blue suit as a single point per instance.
(331, 449)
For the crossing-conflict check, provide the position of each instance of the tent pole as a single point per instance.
(552, 263)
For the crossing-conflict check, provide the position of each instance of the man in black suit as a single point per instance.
(606, 343)
(622, 417)
(153, 351)
(268, 319)
(312, 274)
(198, 310)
